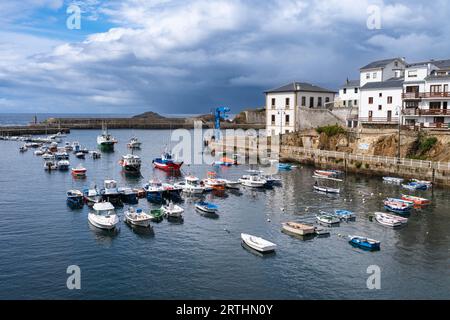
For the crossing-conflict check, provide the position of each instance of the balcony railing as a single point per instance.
(425, 95)
(426, 112)
(436, 125)
(379, 120)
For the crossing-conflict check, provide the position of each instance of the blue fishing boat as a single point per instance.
(345, 214)
(285, 166)
(364, 243)
(206, 207)
(75, 199)
(128, 196)
(154, 191)
(415, 186)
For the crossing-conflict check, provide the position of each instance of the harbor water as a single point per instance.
(202, 258)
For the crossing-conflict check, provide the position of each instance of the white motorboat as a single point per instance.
(390, 220)
(212, 182)
(63, 165)
(103, 216)
(23, 148)
(138, 217)
(39, 152)
(258, 244)
(229, 184)
(191, 185)
(134, 143)
(48, 156)
(172, 211)
(253, 181)
(50, 165)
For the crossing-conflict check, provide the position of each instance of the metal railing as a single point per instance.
(412, 163)
(380, 120)
(425, 95)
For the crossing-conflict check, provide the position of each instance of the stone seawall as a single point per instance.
(437, 172)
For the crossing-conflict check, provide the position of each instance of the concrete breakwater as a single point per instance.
(141, 123)
(31, 130)
(251, 147)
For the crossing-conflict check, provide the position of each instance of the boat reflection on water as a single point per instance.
(257, 253)
(132, 176)
(104, 237)
(208, 215)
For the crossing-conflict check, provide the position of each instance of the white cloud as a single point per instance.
(192, 54)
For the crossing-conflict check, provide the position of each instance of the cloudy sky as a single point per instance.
(188, 56)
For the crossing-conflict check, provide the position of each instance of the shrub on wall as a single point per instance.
(331, 130)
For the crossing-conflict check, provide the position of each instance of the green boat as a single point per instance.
(157, 215)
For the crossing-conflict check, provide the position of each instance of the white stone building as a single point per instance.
(426, 95)
(381, 92)
(283, 104)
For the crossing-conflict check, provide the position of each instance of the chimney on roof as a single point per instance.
(297, 87)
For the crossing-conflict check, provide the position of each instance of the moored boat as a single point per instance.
(79, 171)
(103, 216)
(285, 166)
(253, 179)
(364, 243)
(328, 220)
(345, 214)
(167, 163)
(105, 141)
(80, 155)
(296, 228)
(258, 244)
(128, 195)
(137, 217)
(134, 143)
(206, 207)
(191, 185)
(393, 180)
(415, 186)
(131, 163)
(63, 165)
(154, 189)
(172, 211)
(416, 200)
(157, 215)
(398, 205)
(110, 193)
(213, 182)
(75, 199)
(91, 197)
(390, 220)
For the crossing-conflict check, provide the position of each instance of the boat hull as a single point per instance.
(174, 166)
(99, 223)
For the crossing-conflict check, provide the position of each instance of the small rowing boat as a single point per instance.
(258, 244)
(393, 180)
(364, 243)
(328, 220)
(416, 200)
(344, 214)
(398, 205)
(296, 228)
(390, 220)
(415, 186)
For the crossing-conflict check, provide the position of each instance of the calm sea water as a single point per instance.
(203, 258)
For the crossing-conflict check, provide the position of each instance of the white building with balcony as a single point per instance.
(283, 105)
(426, 95)
(381, 92)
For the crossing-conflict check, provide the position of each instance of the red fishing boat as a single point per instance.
(166, 163)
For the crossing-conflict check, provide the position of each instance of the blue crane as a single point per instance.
(220, 114)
